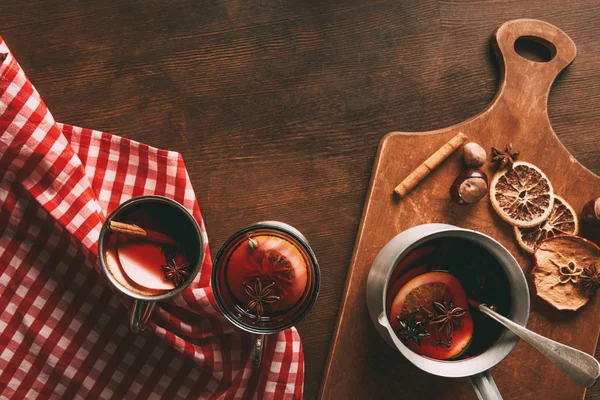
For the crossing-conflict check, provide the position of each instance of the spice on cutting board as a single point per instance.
(504, 159)
(415, 177)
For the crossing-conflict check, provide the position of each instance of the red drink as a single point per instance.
(145, 266)
(429, 295)
(265, 277)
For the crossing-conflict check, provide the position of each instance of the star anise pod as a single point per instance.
(504, 159)
(590, 277)
(176, 271)
(411, 329)
(261, 297)
(447, 317)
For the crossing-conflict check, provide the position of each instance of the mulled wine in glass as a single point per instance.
(265, 279)
(150, 249)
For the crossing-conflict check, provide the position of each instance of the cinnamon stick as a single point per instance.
(415, 177)
(136, 231)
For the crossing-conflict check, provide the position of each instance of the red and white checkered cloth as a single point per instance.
(63, 331)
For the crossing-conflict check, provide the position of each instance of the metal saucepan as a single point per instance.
(582, 368)
(476, 368)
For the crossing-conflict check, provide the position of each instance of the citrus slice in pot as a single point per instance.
(431, 316)
(415, 263)
(395, 287)
(562, 221)
(523, 196)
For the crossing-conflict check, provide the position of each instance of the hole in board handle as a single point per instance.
(535, 49)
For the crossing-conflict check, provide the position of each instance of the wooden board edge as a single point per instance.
(359, 235)
(325, 383)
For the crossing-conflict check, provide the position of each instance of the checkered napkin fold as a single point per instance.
(63, 331)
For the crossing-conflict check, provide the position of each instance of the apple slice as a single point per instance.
(142, 262)
(431, 315)
(114, 266)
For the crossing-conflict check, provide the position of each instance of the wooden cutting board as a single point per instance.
(361, 365)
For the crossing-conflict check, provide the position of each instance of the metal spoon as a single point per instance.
(582, 368)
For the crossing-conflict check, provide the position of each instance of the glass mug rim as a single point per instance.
(102, 247)
(299, 238)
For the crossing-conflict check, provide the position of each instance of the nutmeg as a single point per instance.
(469, 187)
(474, 155)
(591, 211)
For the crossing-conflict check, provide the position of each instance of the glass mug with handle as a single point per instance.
(150, 230)
(265, 279)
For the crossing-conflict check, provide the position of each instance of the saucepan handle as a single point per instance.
(140, 314)
(257, 351)
(483, 383)
(485, 387)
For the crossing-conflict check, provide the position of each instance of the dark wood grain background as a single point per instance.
(278, 106)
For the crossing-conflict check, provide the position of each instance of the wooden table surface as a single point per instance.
(278, 106)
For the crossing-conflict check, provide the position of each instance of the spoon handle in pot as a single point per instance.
(582, 368)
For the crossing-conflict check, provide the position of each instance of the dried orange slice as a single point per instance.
(562, 221)
(565, 271)
(522, 196)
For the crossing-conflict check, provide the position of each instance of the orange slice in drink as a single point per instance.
(431, 316)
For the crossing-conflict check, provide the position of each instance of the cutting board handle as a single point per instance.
(532, 79)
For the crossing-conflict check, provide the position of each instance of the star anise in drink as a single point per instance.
(504, 159)
(590, 277)
(261, 297)
(176, 271)
(411, 329)
(446, 316)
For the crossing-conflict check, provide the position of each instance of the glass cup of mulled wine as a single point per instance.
(265, 279)
(423, 293)
(150, 249)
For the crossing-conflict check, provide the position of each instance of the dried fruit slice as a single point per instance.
(562, 221)
(560, 264)
(431, 315)
(522, 196)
